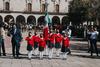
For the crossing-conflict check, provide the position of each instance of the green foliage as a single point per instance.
(84, 10)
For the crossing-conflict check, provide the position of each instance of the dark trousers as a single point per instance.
(3, 47)
(93, 46)
(15, 48)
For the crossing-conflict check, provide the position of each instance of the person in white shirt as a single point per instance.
(93, 41)
(69, 32)
(2, 37)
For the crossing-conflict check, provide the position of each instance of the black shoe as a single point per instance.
(19, 54)
(97, 55)
(91, 54)
(64, 59)
(4, 54)
(69, 53)
(29, 58)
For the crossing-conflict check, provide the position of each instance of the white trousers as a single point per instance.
(41, 54)
(36, 51)
(58, 52)
(46, 50)
(50, 53)
(64, 55)
(30, 54)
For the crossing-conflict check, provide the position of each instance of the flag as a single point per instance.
(47, 19)
(46, 27)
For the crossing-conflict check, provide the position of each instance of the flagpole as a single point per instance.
(46, 9)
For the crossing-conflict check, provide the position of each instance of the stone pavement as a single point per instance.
(79, 58)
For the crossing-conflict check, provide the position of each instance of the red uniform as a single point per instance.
(52, 38)
(30, 40)
(66, 42)
(42, 43)
(46, 33)
(36, 38)
(58, 38)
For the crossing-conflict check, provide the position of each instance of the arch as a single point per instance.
(41, 20)
(20, 21)
(9, 19)
(7, 6)
(99, 21)
(1, 19)
(56, 20)
(31, 20)
(65, 20)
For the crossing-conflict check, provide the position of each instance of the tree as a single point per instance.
(84, 10)
(77, 12)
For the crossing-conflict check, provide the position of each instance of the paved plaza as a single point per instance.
(78, 58)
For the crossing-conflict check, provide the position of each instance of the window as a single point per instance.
(7, 6)
(29, 7)
(57, 8)
(65, 0)
(43, 8)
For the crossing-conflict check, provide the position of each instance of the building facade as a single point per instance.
(33, 11)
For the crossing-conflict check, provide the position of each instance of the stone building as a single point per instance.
(33, 11)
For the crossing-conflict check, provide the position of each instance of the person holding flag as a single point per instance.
(46, 27)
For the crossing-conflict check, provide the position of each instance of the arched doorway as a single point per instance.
(65, 22)
(31, 20)
(56, 22)
(9, 19)
(41, 20)
(99, 21)
(20, 20)
(1, 19)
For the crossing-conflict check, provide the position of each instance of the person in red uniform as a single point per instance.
(30, 44)
(51, 43)
(36, 40)
(58, 41)
(46, 36)
(42, 45)
(65, 46)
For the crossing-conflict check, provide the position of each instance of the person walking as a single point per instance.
(65, 46)
(30, 44)
(16, 40)
(42, 45)
(36, 43)
(51, 44)
(93, 41)
(58, 41)
(2, 38)
(88, 38)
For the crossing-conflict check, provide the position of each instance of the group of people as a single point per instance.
(43, 42)
(16, 38)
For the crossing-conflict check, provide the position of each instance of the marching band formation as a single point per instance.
(46, 42)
